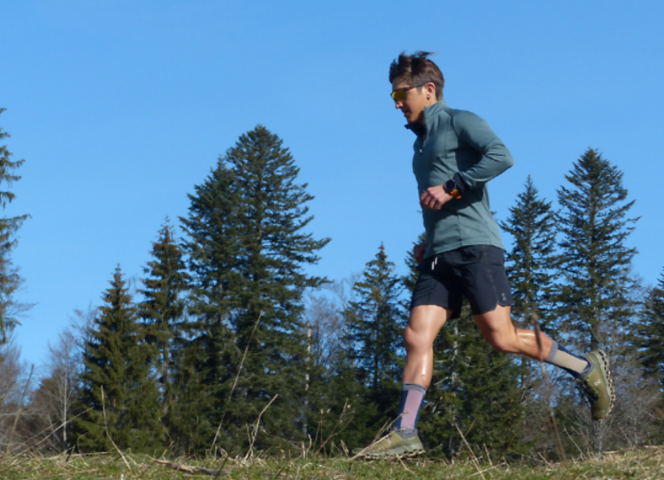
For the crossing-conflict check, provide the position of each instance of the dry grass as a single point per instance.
(644, 463)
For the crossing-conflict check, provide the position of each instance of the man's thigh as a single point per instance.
(497, 328)
(496, 323)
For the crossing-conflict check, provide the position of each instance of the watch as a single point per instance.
(451, 188)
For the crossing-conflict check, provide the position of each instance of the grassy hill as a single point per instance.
(642, 464)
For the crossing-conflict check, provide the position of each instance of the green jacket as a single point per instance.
(459, 145)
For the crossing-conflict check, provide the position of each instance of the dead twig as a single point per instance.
(559, 443)
(27, 458)
(386, 426)
(103, 407)
(253, 437)
(221, 469)
(487, 469)
(472, 454)
(18, 414)
(334, 430)
(189, 468)
(404, 465)
(230, 395)
(21, 449)
(152, 464)
(71, 450)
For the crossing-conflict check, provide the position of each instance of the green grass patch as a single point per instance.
(642, 464)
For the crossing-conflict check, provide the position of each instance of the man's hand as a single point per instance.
(434, 198)
(418, 252)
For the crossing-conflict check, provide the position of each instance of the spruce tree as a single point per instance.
(375, 321)
(210, 353)
(595, 300)
(532, 260)
(650, 332)
(248, 247)
(10, 280)
(596, 303)
(162, 311)
(119, 397)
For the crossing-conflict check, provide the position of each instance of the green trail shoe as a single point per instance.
(598, 385)
(392, 445)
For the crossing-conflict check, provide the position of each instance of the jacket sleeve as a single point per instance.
(495, 158)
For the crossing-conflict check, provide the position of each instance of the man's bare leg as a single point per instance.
(425, 323)
(592, 369)
(497, 328)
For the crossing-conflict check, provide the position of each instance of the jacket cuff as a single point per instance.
(462, 185)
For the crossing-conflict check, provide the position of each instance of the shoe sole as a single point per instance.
(604, 365)
(403, 451)
(397, 452)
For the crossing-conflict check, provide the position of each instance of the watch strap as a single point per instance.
(451, 188)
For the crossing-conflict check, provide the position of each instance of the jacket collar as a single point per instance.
(432, 110)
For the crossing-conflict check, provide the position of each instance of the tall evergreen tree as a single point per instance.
(10, 280)
(375, 321)
(532, 260)
(248, 247)
(595, 295)
(119, 394)
(213, 242)
(162, 312)
(650, 332)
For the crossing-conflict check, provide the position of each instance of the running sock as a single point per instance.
(412, 396)
(563, 358)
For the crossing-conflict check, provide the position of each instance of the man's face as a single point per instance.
(416, 99)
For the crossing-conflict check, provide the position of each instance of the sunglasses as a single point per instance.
(400, 94)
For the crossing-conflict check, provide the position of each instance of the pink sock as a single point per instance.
(412, 396)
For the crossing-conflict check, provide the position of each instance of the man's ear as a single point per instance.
(431, 90)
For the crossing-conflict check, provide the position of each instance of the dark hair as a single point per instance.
(417, 69)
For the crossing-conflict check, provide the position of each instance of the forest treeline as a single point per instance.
(228, 343)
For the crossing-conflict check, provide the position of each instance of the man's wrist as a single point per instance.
(452, 188)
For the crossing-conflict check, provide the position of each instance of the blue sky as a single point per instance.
(119, 108)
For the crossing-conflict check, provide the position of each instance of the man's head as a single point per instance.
(416, 83)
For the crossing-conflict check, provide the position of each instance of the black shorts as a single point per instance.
(476, 272)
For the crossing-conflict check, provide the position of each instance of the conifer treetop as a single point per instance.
(10, 280)
(594, 227)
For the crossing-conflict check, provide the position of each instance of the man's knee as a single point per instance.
(414, 340)
(425, 322)
(410, 337)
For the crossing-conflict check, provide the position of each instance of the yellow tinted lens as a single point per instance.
(399, 95)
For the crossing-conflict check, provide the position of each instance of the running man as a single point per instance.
(455, 154)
